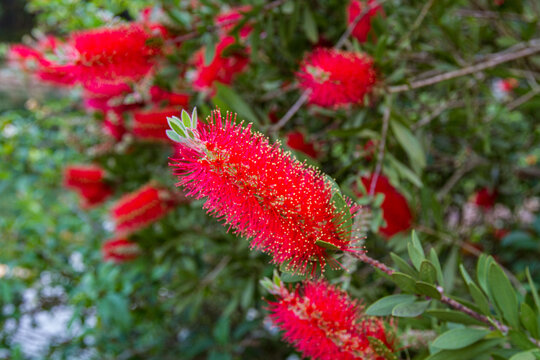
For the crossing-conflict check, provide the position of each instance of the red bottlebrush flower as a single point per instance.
(138, 209)
(485, 198)
(396, 211)
(262, 192)
(120, 250)
(296, 141)
(336, 78)
(323, 323)
(362, 28)
(223, 67)
(114, 55)
(159, 95)
(152, 124)
(229, 19)
(89, 182)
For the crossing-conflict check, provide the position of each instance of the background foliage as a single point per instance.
(194, 293)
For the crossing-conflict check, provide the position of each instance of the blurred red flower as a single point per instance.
(152, 124)
(89, 182)
(363, 26)
(336, 78)
(120, 250)
(140, 208)
(485, 198)
(396, 211)
(296, 141)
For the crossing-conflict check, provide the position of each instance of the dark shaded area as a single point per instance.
(14, 20)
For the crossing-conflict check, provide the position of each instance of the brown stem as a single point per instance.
(444, 299)
(492, 61)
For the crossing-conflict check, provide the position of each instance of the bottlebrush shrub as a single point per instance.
(363, 26)
(323, 323)
(288, 210)
(89, 182)
(120, 250)
(396, 211)
(141, 208)
(336, 78)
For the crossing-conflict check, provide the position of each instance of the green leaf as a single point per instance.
(176, 125)
(479, 298)
(428, 273)
(459, 338)
(416, 253)
(404, 171)
(326, 245)
(427, 289)
(533, 289)
(410, 144)
(526, 355)
(449, 272)
(411, 309)
(528, 319)
(186, 119)
(482, 271)
(222, 330)
(404, 281)
(504, 294)
(384, 306)
(454, 316)
(235, 102)
(466, 353)
(309, 26)
(435, 262)
(520, 340)
(173, 135)
(403, 266)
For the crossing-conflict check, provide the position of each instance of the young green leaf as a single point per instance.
(384, 306)
(459, 338)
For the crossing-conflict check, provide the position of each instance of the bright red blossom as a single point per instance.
(396, 211)
(113, 55)
(223, 67)
(229, 19)
(363, 26)
(141, 208)
(262, 192)
(89, 182)
(152, 124)
(120, 250)
(296, 141)
(485, 198)
(323, 323)
(336, 78)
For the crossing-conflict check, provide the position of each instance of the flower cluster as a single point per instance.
(323, 323)
(287, 209)
(336, 78)
(89, 182)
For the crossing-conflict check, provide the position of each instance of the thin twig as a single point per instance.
(486, 14)
(418, 20)
(382, 147)
(290, 113)
(522, 99)
(457, 175)
(196, 33)
(492, 61)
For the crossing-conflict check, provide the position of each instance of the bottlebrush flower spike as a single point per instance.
(363, 26)
(114, 55)
(288, 210)
(152, 124)
(296, 141)
(396, 211)
(138, 209)
(120, 250)
(336, 78)
(89, 182)
(323, 323)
